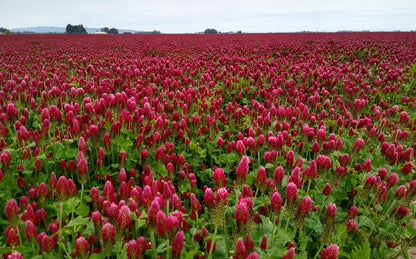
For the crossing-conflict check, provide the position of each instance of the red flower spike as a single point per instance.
(331, 211)
(208, 246)
(290, 158)
(390, 244)
(263, 242)
(61, 188)
(327, 189)
(152, 214)
(30, 231)
(98, 222)
(392, 179)
(15, 255)
(82, 169)
(72, 189)
(42, 191)
(331, 252)
(177, 245)
(123, 157)
(41, 216)
(291, 196)
(132, 250)
(246, 192)
(407, 168)
(195, 205)
(204, 231)
(82, 247)
(147, 196)
(52, 180)
(47, 243)
(304, 207)
(124, 218)
(248, 243)
(358, 145)
(329, 222)
(82, 146)
(241, 171)
(261, 179)
(108, 234)
(197, 236)
(219, 178)
(344, 160)
(12, 212)
(400, 192)
(295, 177)
(21, 183)
(253, 255)
(370, 182)
(162, 225)
(241, 215)
(352, 212)
(209, 199)
(276, 202)
(290, 253)
(12, 237)
(240, 250)
(92, 239)
(351, 226)
(278, 176)
(367, 165)
(101, 153)
(141, 246)
(315, 147)
(37, 165)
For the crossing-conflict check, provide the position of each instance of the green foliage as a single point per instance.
(75, 29)
(210, 31)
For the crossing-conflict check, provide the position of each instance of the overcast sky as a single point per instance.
(188, 16)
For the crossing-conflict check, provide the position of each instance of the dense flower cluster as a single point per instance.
(207, 146)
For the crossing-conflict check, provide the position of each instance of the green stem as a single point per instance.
(281, 216)
(225, 234)
(309, 186)
(287, 224)
(82, 193)
(318, 252)
(20, 237)
(74, 228)
(60, 227)
(168, 250)
(152, 238)
(118, 250)
(258, 158)
(273, 222)
(212, 243)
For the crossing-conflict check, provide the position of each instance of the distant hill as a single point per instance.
(55, 29)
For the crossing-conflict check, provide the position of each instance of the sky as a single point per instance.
(189, 16)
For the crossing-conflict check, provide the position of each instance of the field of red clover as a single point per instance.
(208, 146)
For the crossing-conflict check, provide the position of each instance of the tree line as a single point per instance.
(79, 29)
(75, 29)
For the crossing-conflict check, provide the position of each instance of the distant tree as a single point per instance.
(105, 29)
(239, 32)
(113, 31)
(75, 29)
(109, 31)
(155, 32)
(210, 31)
(4, 30)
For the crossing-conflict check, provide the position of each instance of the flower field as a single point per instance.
(208, 146)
